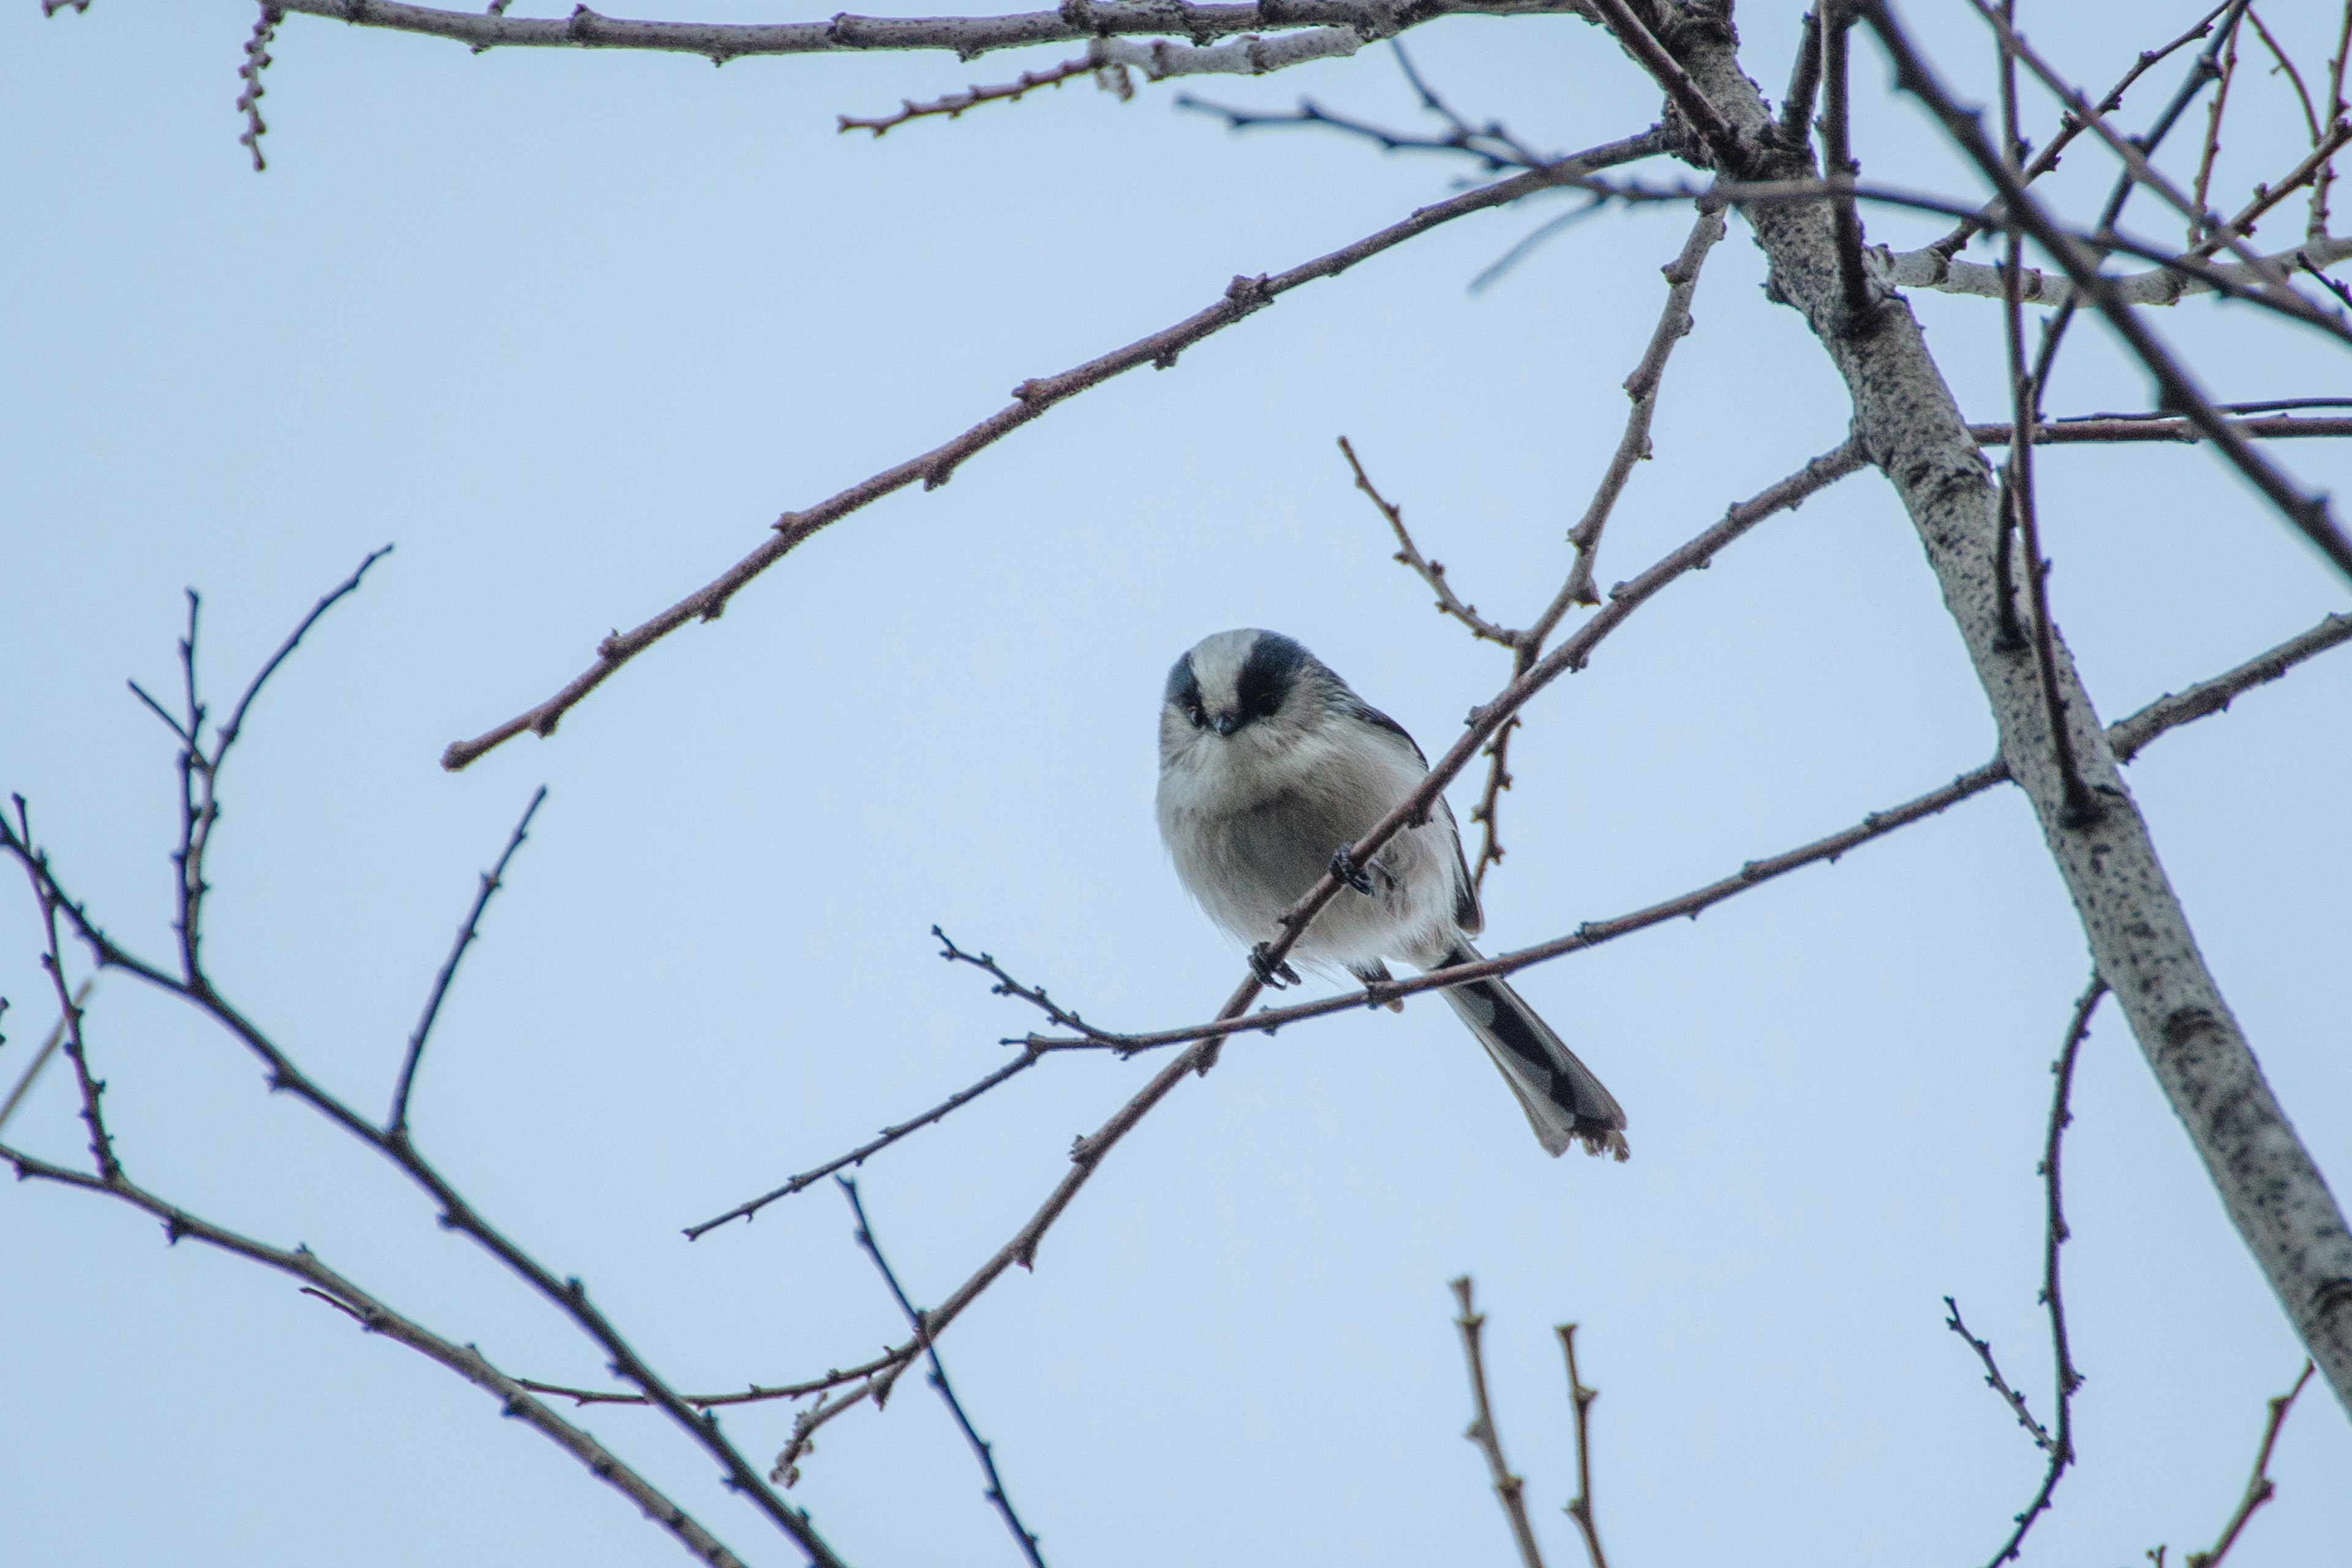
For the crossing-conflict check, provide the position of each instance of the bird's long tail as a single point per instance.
(1564, 1103)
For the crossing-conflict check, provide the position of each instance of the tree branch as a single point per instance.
(1509, 1489)
(2138, 934)
(514, 1397)
(2260, 1488)
(981, 1447)
(967, 36)
(1243, 297)
(396, 1125)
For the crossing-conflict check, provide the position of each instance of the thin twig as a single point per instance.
(2310, 515)
(396, 1125)
(2213, 112)
(32, 1072)
(2069, 126)
(1804, 83)
(966, 36)
(1579, 1507)
(2206, 67)
(1642, 387)
(1430, 572)
(2152, 428)
(2336, 112)
(2123, 147)
(955, 104)
(1244, 297)
(2268, 197)
(981, 1447)
(195, 987)
(248, 102)
(1482, 1431)
(2017, 474)
(50, 900)
(2260, 1488)
(2294, 77)
(2060, 1442)
(1838, 160)
(318, 1280)
(1994, 1379)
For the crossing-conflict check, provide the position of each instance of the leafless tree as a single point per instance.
(1792, 173)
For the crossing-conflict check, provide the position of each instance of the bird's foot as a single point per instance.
(1344, 866)
(1270, 973)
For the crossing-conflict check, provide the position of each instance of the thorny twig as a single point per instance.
(396, 1124)
(1432, 572)
(199, 773)
(1838, 161)
(515, 1401)
(1493, 144)
(46, 894)
(32, 1072)
(2310, 515)
(2081, 808)
(2212, 148)
(248, 102)
(1993, 1379)
(1510, 1489)
(1579, 1507)
(2069, 126)
(1674, 324)
(2259, 1488)
(981, 1447)
(1243, 297)
(1110, 77)
(2067, 1379)
(2336, 112)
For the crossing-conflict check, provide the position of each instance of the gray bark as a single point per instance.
(1905, 419)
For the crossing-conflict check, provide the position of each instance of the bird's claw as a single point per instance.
(1344, 866)
(1269, 972)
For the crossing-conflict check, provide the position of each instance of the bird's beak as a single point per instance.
(1227, 723)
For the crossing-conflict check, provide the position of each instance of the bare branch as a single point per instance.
(32, 1073)
(981, 1447)
(1482, 1431)
(2310, 515)
(2335, 111)
(1243, 297)
(1430, 572)
(1579, 1507)
(248, 102)
(2061, 1444)
(1674, 323)
(2260, 1488)
(397, 1126)
(967, 36)
(955, 104)
(2167, 285)
(1993, 1379)
(2070, 127)
(1838, 160)
(515, 1399)
(2160, 427)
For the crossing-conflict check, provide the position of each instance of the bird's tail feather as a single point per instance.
(1564, 1103)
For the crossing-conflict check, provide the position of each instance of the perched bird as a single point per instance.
(1270, 769)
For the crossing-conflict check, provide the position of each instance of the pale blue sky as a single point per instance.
(572, 328)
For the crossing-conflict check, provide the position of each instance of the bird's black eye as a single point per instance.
(1196, 713)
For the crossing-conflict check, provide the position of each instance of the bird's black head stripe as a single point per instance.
(1273, 665)
(1183, 686)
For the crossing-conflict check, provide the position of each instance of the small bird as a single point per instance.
(1270, 769)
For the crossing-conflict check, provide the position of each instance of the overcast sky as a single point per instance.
(571, 329)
